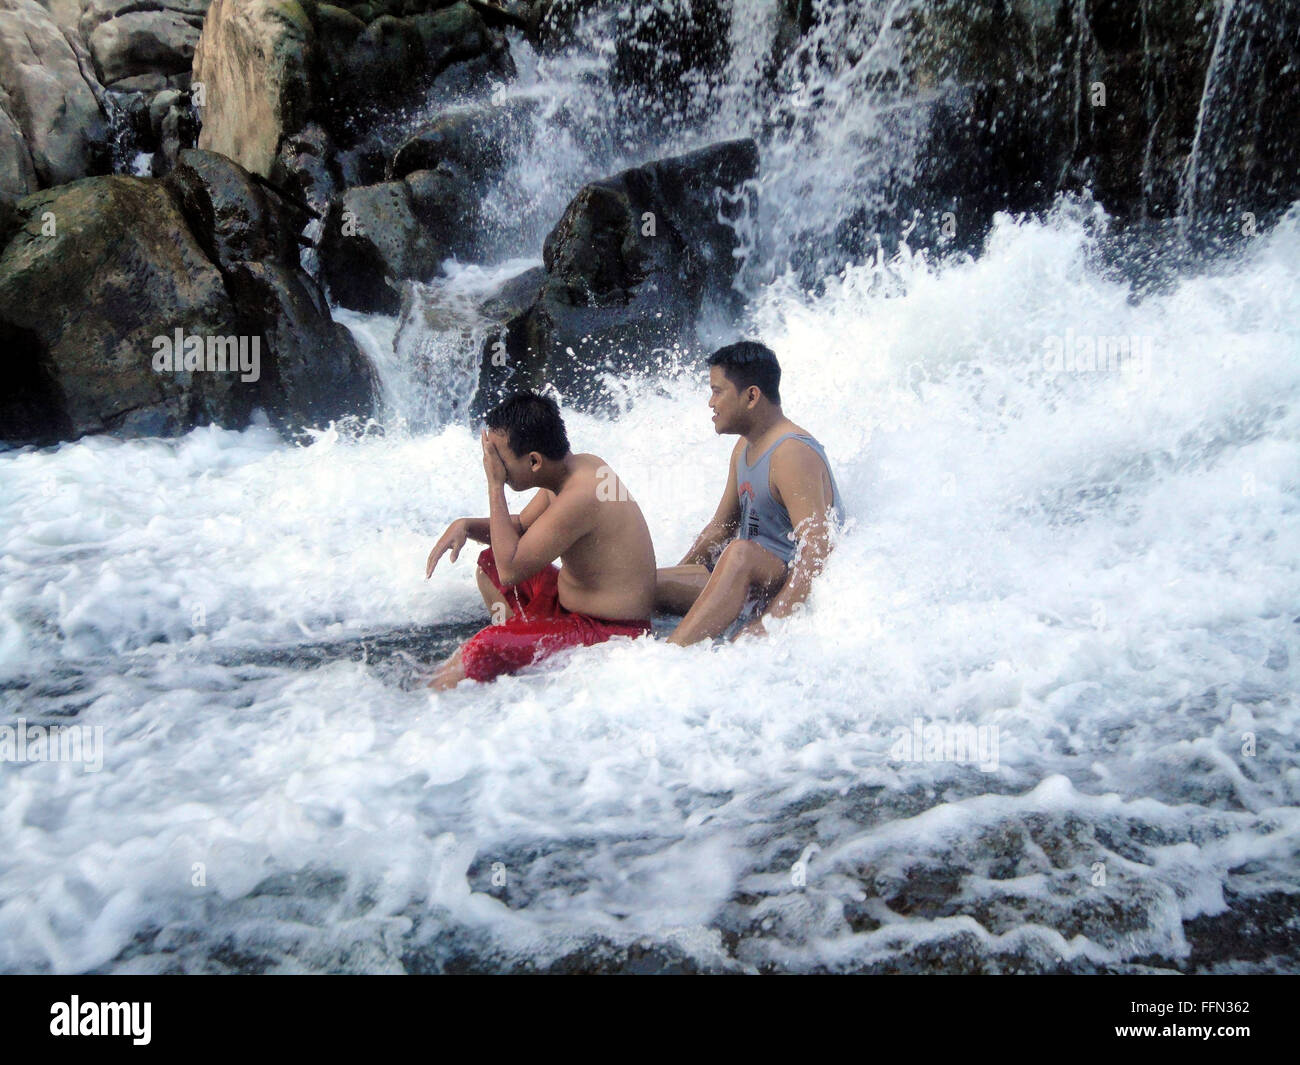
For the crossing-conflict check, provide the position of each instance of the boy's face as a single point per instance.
(728, 404)
(519, 469)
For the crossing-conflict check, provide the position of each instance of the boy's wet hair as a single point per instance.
(531, 422)
(747, 362)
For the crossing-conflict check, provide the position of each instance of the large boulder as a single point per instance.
(269, 68)
(142, 44)
(470, 141)
(629, 268)
(235, 218)
(317, 373)
(374, 239)
(99, 270)
(249, 229)
(50, 103)
(254, 62)
(104, 274)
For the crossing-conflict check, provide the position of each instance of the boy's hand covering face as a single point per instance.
(493, 465)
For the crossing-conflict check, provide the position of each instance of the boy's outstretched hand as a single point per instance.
(454, 539)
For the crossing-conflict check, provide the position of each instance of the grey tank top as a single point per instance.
(762, 518)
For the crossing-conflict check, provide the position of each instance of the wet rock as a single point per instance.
(528, 16)
(469, 142)
(514, 296)
(449, 165)
(628, 270)
(316, 369)
(305, 166)
(106, 274)
(666, 58)
(373, 240)
(1103, 95)
(99, 269)
(235, 219)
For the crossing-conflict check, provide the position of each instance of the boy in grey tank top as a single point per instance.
(773, 529)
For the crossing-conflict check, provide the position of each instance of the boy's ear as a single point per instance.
(534, 460)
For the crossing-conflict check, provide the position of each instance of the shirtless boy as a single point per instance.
(772, 530)
(582, 515)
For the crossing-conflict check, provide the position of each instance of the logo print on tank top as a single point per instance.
(748, 519)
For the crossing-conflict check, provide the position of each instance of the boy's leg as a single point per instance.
(677, 587)
(742, 566)
(517, 643)
(449, 674)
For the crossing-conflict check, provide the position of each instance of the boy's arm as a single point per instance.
(722, 526)
(800, 480)
(479, 529)
(565, 521)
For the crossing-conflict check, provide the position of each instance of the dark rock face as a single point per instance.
(628, 269)
(317, 372)
(1104, 95)
(469, 141)
(228, 212)
(382, 233)
(142, 44)
(102, 274)
(373, 240)
(160, 124)
(666, 58)
(401, 229)
(1246, 157)
(367, 54)
(305, 166)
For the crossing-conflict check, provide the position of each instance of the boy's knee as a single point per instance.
(739, 555)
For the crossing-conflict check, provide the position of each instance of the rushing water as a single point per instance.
(1089, 571)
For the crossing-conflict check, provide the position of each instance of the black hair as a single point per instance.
(747, 362)
(531, 422)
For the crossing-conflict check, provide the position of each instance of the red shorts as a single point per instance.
(540, 626)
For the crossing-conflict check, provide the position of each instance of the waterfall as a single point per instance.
(1243, 167)
(1212, 116)
(836, 120)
